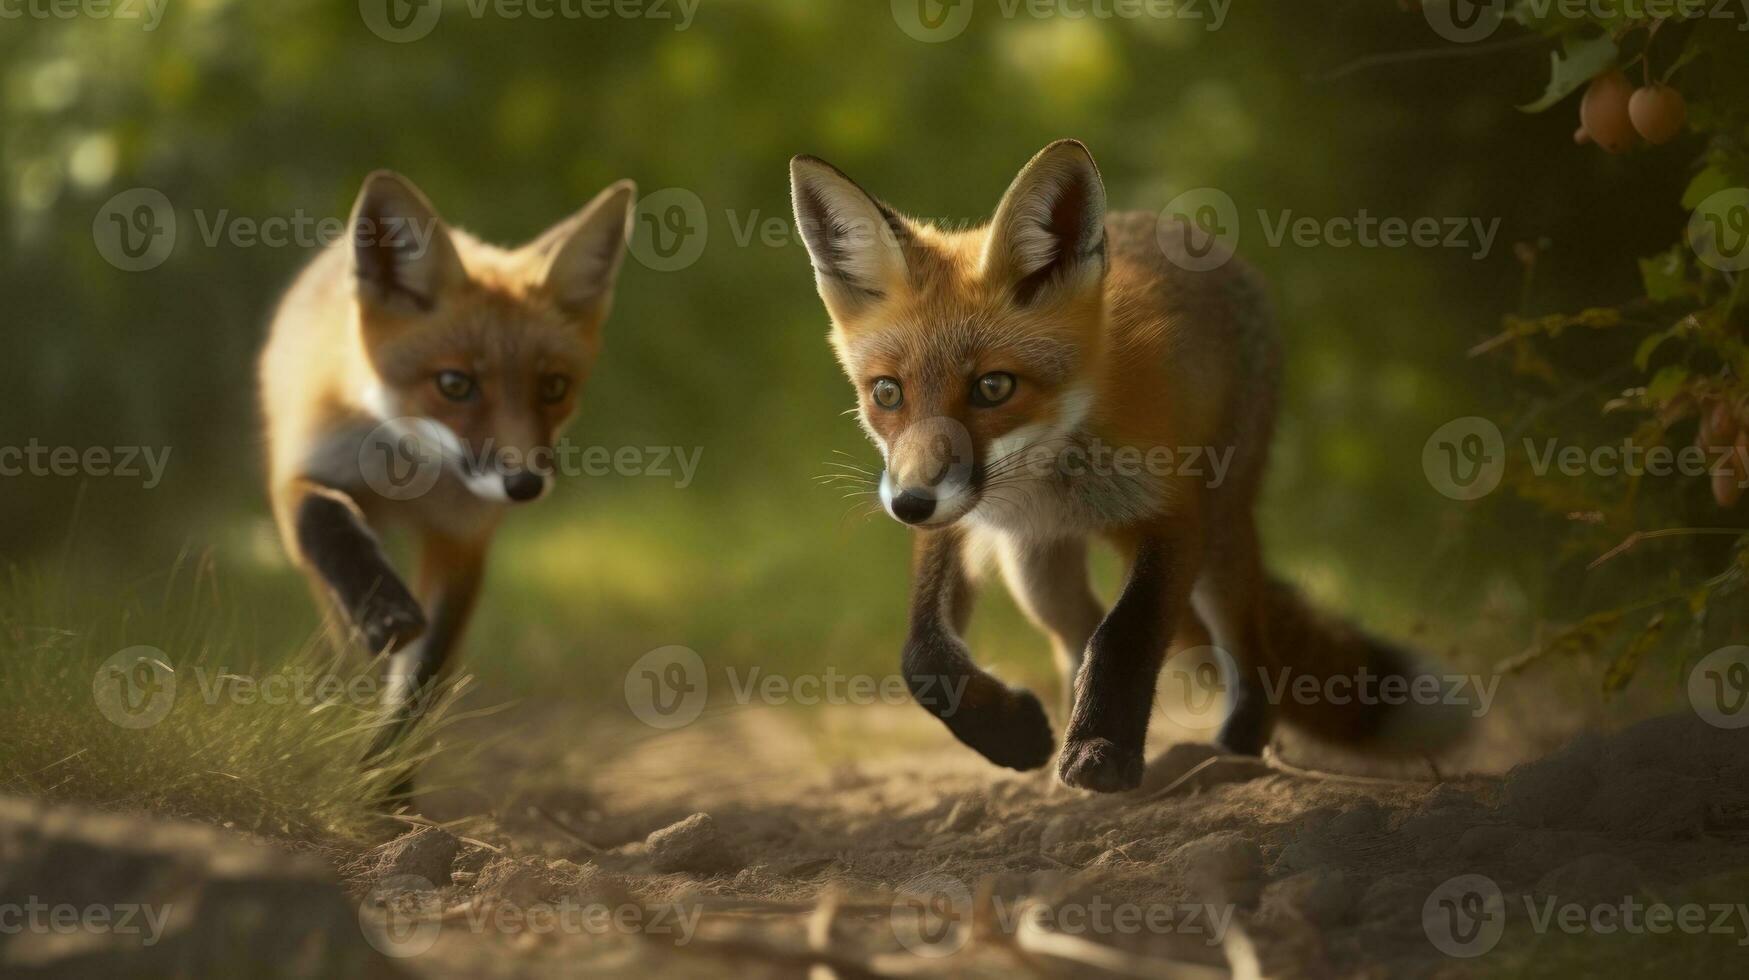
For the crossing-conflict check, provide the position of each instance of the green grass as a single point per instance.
(163, 700)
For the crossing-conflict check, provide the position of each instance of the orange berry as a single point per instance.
(1658, 113)
(1604, 111)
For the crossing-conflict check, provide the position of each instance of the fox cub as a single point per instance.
(995, 368)
(416, 376)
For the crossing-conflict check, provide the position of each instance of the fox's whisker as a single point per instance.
(848, 466)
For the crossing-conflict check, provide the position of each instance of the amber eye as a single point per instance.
(456, 386)
(993, 389)
(887, 393)
(554, 388)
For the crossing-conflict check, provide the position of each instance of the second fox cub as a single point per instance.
(993, 366)
(417, 376)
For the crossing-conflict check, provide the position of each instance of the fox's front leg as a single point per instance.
(1108, 729)
(330, 539)
(1007, 726)
(450, 573)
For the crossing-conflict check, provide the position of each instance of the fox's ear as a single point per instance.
(401, 252)
(1050, 226)
(856, 244)
(583, 253)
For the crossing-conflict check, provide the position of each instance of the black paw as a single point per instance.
(1247, 730)
(1101, 765)
(390, 619)
(1009, 729)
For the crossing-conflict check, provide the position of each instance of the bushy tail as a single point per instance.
(1368, 694)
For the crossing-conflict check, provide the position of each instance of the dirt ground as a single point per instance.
(867, 842)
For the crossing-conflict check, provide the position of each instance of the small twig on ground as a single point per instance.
(1181, 780)
(1275, 761)
(1033, 937)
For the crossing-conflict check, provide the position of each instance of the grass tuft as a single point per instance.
(162, 700)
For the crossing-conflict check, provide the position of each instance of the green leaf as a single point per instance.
(1578, 61)
(1643, 353)
(1665, 276)
(1666, 383)
(1704, 185)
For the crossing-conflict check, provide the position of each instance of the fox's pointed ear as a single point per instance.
(856, 244)
(1050, 226)
(583, 253)
(401, 252)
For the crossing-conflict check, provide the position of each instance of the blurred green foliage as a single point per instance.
(1646, 567)
(263, 110)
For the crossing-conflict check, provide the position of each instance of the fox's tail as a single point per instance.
(1370, 694)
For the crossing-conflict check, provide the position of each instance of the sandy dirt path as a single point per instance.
(867, 841)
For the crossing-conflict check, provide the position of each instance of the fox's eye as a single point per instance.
(554, 388)
(993, 389)
(887, 393)
(455, 385)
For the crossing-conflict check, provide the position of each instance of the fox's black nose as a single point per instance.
(524, 485)
(913, 508)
